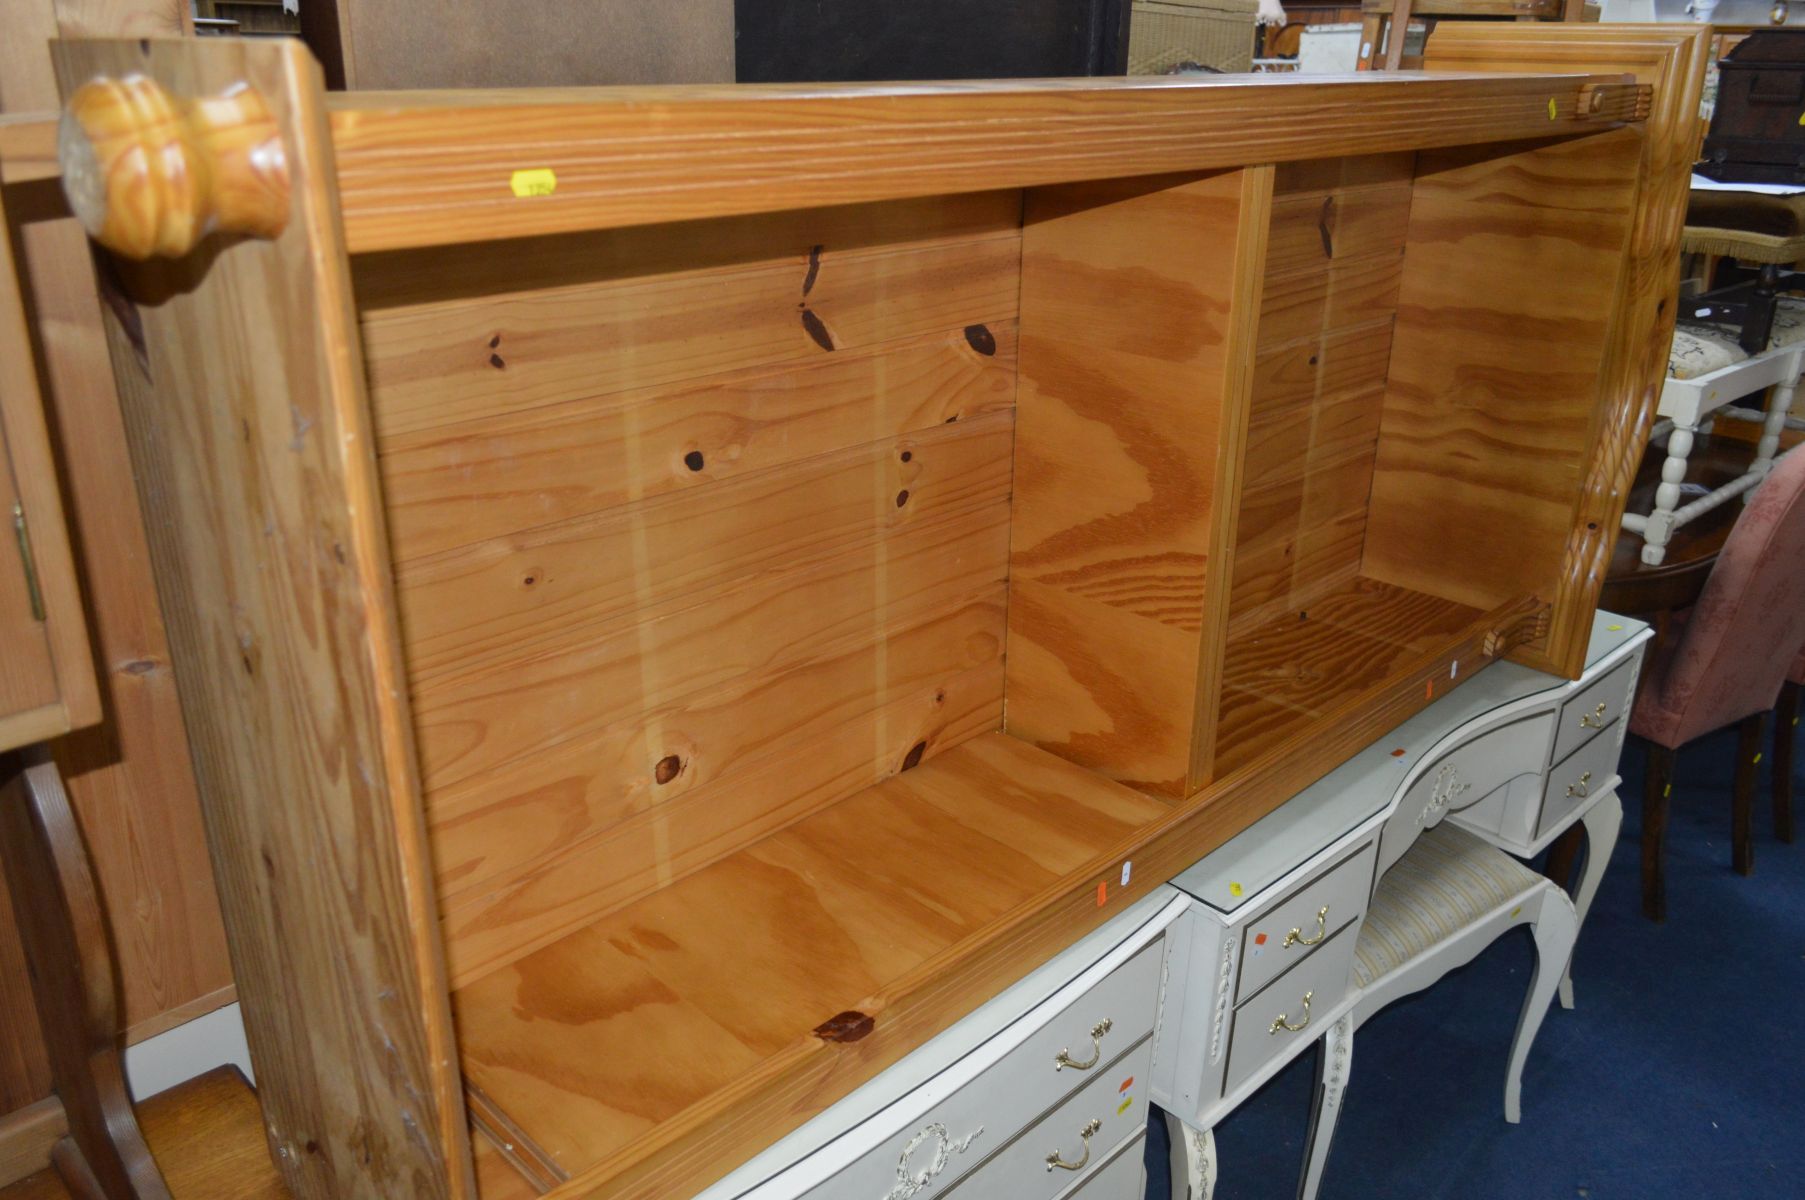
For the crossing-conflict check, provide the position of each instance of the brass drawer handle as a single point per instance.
(1279, 1021)
(1296, 936)
(1065, 1058)
(1579, 789)
(1593, 719)
(31, 566)
(1056, 1159)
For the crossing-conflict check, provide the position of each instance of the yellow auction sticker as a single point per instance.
(1551, 108)
(539, 181)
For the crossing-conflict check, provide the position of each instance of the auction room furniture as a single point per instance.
(1379, 17)
(1727, 665)
(1709, 371)
(1786, 736)
(586, 517)
(1512, 760)
(1176, 998)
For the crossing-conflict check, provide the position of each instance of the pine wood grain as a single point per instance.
(507, 594)
(670, 704)
(835, 908)
(1672, 59)
(420, 168)
(275, 584)
(433, 363)
(1483, 455)
(493, 475)
(1128, 349)
(207, 1138)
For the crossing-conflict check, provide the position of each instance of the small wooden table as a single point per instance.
(1654, 593)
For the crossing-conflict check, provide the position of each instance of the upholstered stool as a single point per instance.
(1449, 897)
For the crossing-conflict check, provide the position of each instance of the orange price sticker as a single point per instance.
(1102, 893)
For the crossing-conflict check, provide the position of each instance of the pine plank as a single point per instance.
(499, 597)
(632, 1009)
(1483, 454)
(482, 478)
(434, 363)
(670, 704)
(1128, 359)
(420, 169)
(767, 792)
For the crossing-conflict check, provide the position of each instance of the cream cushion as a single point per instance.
(1446, 881)
(1702, 349)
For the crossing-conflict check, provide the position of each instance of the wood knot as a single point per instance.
(912, 759)
(981, 339)
(668, 768)
(694, 460)
(902, 497)
(845, 1027)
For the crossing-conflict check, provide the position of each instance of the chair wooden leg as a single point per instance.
(1657, 786)
(1786, 732)
(64, 935)
(1742, 797)
(1556, 928)
(1334, 1056)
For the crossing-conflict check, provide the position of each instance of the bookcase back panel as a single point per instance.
(1512, 279)
(696, 529)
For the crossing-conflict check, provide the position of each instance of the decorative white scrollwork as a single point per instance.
(912, 1183)
(1448, 785)
(1225, 974)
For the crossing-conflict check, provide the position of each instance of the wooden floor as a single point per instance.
(207, 1138)
(786, 944)
(1293, 668)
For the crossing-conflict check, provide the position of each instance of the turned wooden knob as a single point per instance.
(149, 174)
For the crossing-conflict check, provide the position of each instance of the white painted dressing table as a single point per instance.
(1193, 998)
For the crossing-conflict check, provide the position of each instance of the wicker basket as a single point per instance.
(1213, 33)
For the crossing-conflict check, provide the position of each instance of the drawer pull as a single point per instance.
(1065, 1058)
(1296, 936)
(1279, 1021)
(1056, 1159)
(1593, 719)
(1578, 789)
(31, 568)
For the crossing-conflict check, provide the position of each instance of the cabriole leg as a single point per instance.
(1193, 1159)
(1334, 1057)
(1555, 926)
(1602, 821)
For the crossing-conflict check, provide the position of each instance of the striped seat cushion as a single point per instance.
(1445, 882)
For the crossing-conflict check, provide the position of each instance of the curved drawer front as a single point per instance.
(1079, 1134)
(927, 1156)
(1258, 1037)
(1585, 773)
(1464, 776)
(1593, 708)
(1286, 933)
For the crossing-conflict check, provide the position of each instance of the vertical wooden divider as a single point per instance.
(241, 380)
(1139, 298)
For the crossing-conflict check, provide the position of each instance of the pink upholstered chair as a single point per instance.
(1727, 664)
(1786, 730)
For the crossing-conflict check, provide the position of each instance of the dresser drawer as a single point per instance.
(1583, 774)
(1594, 707)
(968, 1126)
(1286, 933)
(1257, 1037)
(1079, 1133)
(1122, 1176)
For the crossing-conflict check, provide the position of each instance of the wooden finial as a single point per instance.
(149, 174)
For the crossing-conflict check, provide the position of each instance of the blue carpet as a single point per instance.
(1680, 1073)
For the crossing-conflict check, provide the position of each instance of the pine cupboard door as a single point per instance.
(47, 684)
